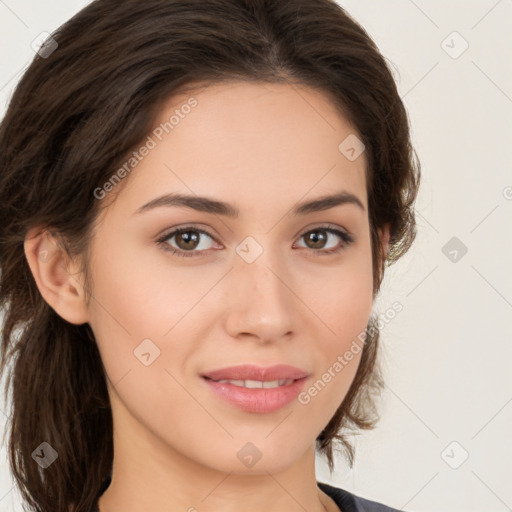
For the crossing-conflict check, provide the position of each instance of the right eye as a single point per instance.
(187, 240)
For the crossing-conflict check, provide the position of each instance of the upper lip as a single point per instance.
(252, 372)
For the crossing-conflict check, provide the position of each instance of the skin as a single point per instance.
(262, 148)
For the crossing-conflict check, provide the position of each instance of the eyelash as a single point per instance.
(346, 237)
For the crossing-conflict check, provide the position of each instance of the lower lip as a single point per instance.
(260, 400)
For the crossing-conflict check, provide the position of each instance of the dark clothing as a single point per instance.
(346, 501)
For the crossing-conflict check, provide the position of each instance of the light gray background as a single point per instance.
(447, 356)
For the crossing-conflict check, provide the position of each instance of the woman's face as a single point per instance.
(265, 287)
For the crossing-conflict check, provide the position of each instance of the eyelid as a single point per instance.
(167, 233)
(326, 226)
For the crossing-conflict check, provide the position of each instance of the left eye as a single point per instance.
(319, 236)
(189, 239)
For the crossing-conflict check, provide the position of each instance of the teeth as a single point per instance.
(258, 383)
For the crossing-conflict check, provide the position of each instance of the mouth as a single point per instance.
(255, 384)
(259, 399)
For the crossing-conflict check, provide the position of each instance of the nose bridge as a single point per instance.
(261, 303)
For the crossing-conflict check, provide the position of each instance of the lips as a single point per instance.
(256, 389)
(280, 372)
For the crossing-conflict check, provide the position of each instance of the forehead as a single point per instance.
(241, 141)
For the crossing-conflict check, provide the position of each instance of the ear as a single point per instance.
(384, 240)
(57, 276)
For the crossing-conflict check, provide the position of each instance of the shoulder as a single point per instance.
(349, 502)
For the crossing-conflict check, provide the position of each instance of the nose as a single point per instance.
(260, 303)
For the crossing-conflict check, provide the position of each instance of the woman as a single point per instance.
(198, 200)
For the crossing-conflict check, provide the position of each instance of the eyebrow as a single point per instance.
(208, 205)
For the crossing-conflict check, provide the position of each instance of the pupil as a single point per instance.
(315, 238)
(188, 238)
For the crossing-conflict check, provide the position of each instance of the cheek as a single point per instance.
(137, 298)
(341, 295)
(344, 305)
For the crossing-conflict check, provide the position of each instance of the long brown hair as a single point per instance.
(75, 114)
